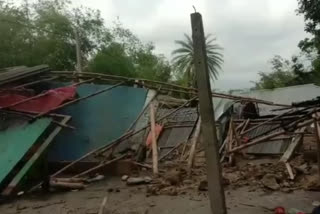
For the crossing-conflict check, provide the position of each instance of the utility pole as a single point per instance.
(208, 126)
(78, 51)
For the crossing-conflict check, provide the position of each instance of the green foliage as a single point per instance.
(183, 60)
(112, 60)
(286, 73)
(296, 71)
(44, 33)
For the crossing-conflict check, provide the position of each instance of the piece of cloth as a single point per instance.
(158, 130)
(51, 99)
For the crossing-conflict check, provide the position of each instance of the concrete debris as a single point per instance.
(270, 182)
(311, 182)
(96, 178)
(124, 177)
(139, 180)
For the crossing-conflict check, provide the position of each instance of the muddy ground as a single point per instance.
(134, 200)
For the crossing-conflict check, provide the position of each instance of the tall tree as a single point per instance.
(183, 59)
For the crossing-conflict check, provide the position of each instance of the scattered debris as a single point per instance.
(138, 180)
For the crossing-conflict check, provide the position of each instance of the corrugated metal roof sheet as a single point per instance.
(271, 147)
(286, 95)
(15, 73)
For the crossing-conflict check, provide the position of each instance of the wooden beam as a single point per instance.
(296, 140)
(154, 141)
(194, 141)
(208, 127)
(291, 175)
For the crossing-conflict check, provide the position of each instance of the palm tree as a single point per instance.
(184, 63)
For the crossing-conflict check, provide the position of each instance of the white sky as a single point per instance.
(250, 31)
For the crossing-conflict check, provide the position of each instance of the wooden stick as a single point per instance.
(267, 121)
(98, 167)
(103, 205)
(171, 150)
(79, 99)
(66, 185)
(289, 170)
(36, 82)
(194, 141)
(230, 141)
(33, 118)
(109, 145)
(154, 141)
(235, 134)
(272, 135)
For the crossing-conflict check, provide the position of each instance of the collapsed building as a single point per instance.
(60, 129)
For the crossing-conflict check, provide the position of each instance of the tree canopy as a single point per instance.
(304, 68)
(44, 33)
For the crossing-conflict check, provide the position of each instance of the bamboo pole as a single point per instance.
(186, 89)
(98, 167)
(35, 82)
(79, 99)
(154, 141)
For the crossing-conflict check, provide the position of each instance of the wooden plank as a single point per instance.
(208, 127)
(194, 141)
(16, 180)
(154, 141)
(291, 175)
(293, 145)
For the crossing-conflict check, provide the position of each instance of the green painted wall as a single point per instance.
(16, 140)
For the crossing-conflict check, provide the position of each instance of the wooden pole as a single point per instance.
(154, 141)
(103, 205)
(194, 141)
(317, 136)
(208, 127)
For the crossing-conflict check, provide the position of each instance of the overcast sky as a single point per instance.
(250, 31)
